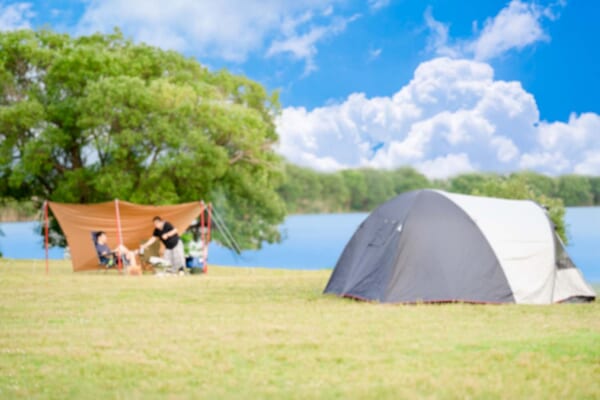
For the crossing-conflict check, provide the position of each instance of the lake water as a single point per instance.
(316, 241)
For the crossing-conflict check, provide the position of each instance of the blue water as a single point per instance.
(312, 241)
(316, 241)
(22, 240)
(583, 225)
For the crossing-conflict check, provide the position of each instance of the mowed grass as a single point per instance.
(260, 333)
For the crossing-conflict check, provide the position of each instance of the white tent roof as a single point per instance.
(522, 237)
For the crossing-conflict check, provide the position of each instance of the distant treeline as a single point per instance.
(308, 191)
(13, 210)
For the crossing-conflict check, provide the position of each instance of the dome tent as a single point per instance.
(433, 246)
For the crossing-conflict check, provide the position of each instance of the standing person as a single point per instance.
(167, 234)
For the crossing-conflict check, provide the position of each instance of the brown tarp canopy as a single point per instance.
(80, 221)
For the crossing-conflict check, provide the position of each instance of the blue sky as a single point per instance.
(446, 86)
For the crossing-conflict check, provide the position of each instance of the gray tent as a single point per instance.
(434, 246)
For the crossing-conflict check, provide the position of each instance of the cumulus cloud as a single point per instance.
(589, 164)
(516, 26)
(15, 16)
(442, 167)
(453, 116)
(572, 146)
(228, 29)
(551, 162)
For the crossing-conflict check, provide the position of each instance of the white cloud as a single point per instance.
(506, 149)
(228, 29)
(443, 167)
(327, 11)
(303, 46)
(438, 39)
(551, 162)
(576, 134)
(453, 116)
(375, 5)
(15, 16)
(572, 146)
(590, 165)
(516, 26)
(374, 54)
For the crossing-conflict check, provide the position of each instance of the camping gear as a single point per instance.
(148, 254)
(124, 223)
(433, 246)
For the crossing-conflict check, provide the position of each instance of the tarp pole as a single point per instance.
(208, 238)
(209, 218)
(46, 232)
(120, 238)
(203, 236)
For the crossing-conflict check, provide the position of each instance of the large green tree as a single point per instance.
(98, 117)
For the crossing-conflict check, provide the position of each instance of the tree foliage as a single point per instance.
(309, 191)
(98, 117)
(575, 189)
(595, 189)
(306, 190)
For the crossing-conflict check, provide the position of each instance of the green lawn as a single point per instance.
(259, 333)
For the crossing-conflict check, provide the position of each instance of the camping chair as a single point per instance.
(111, 261)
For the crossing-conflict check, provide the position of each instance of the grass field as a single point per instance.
(258, 333)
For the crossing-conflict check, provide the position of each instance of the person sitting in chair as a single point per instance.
(108, 257)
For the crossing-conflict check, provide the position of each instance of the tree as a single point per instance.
(575, 190)
(595, 188)
(540, 184)
(301, 189)
(468, 183)
(98, 117)
(357, 186)
(406, 179)
(335, 194)
(379, 188)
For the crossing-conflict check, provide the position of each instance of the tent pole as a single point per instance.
(202, 235)
(46, 232)
(119, 237)
(208, 238)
